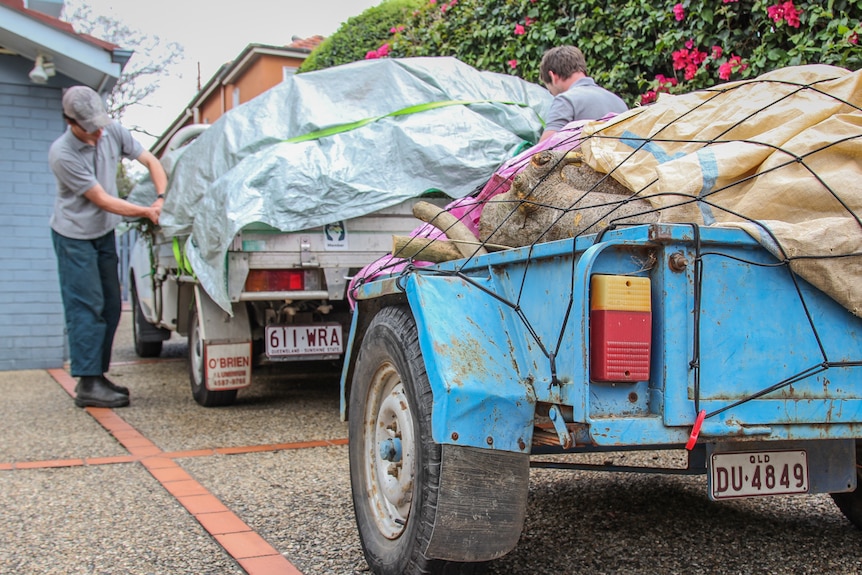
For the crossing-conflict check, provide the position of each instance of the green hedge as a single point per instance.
(360, 34)
(632, 47)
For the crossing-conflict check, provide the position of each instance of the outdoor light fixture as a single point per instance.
(42, 70)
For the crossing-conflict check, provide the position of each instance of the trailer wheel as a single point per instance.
(141, 328)
(394, 462)
(197, 372)
(850, 502)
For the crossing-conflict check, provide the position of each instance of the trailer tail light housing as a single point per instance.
(620, 328)
(275, 280)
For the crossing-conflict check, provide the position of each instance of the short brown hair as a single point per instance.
(562, 61)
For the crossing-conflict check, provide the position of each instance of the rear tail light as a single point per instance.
(620, 328)
(274, 280)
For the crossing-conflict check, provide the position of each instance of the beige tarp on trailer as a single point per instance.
(779, 156)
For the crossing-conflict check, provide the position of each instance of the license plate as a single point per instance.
(290, 340)
(754, 474)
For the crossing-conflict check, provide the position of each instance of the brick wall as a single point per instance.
(32, 330)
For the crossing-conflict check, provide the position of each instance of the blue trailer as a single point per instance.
(683, 276)
(659, 336)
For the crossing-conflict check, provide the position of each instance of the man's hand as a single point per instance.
(154, 211)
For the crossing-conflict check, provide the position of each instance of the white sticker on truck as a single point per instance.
(335, 236)
(228, 365)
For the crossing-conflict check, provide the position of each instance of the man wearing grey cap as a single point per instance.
(87, 208)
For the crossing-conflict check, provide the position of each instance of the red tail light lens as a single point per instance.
(620, 328)
(275, 280)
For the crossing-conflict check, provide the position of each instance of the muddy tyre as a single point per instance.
(394, 463)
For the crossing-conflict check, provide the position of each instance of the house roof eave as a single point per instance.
(86, 60)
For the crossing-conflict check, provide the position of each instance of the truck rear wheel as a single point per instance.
(143, 331)
(197, 369)
(850, 502)
(394, 462)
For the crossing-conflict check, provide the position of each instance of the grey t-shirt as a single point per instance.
(78, 166)
(584, 100)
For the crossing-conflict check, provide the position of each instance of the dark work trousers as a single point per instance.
(90, 286)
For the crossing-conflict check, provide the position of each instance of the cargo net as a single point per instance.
(779, 156)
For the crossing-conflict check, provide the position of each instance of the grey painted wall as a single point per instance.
(32, 331)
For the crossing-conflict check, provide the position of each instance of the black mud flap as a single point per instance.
(481, 505)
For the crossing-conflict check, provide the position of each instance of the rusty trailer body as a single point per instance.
(648, 337)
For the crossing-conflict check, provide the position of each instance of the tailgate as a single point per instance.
(768, 354)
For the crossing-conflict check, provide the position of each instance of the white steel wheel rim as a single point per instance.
(390, 449)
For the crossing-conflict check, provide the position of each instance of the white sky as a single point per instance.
(213, 33)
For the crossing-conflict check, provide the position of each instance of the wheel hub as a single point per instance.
(389, 443)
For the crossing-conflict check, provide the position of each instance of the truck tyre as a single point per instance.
(197, 372)
(394, 462)
(850, 502)
(141, 329)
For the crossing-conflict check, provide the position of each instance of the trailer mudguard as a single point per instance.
(480, 398)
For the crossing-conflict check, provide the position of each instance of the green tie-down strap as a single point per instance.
(183, 265)
(332, 130)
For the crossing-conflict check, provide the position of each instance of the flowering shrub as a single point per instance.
(636, 48)
(362, 35)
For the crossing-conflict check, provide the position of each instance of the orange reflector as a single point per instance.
(620, 328)
(274, 280)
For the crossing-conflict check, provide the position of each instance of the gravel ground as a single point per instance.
(299, 500)
(107, 519)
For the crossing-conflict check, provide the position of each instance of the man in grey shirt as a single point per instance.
(576, 96)
(86, 211)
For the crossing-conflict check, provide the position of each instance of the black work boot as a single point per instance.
(92, 391)
(118, 388)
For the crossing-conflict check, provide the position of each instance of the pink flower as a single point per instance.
(396, 29)
(663, 83)
(791, 15)
(716, 52)
(729, 1)
(528, 21)
(689, 44)
(688, 59)
(680, 57)
(733, 64)
(784, 12)
(519, 30)
(381, 52)
(512, 64)
(679, 13)
(854, 38)
(776, 12)
(432, 2)
(690, 71)
(648, 98)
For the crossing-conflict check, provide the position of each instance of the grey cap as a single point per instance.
(85, 106)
